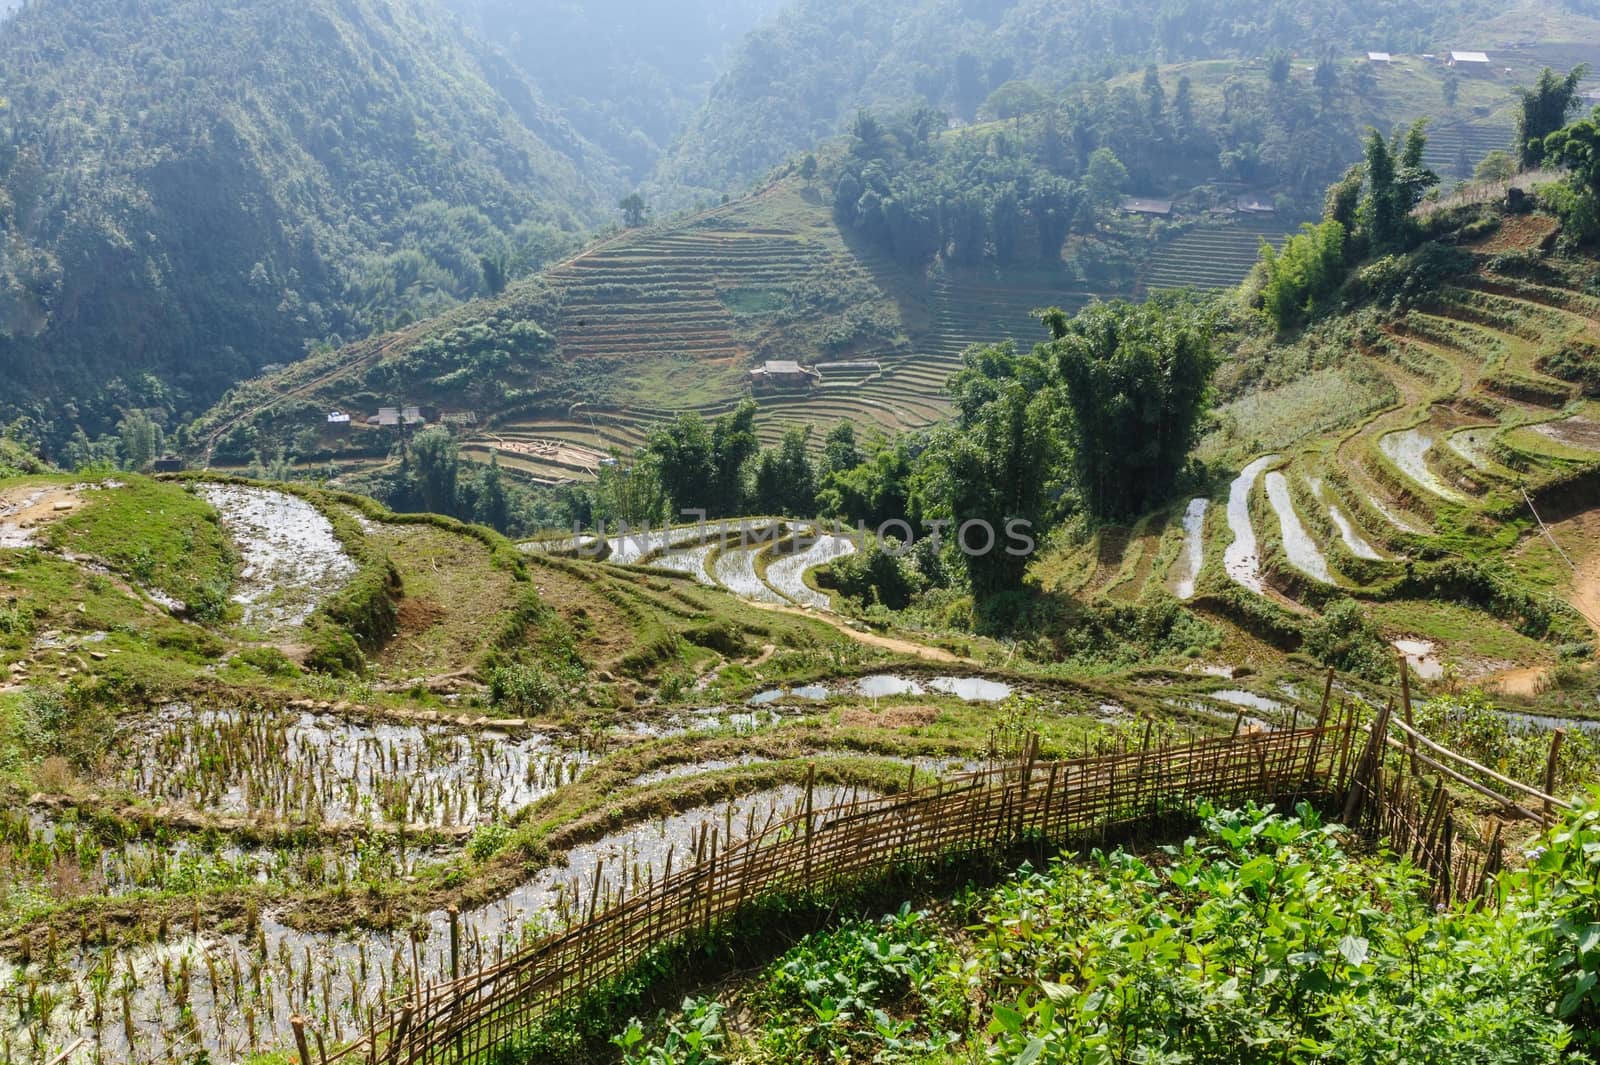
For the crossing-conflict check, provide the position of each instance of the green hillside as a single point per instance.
(629, 75)
(192, 192)
(801, 77)
(669, 318)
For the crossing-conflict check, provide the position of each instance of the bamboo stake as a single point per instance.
(1405, 703)
(1556, 739)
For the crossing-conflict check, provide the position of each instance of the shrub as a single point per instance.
(524, 690)
(335, 652)
(268, 660)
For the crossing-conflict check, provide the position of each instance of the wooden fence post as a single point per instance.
(1557, 737)
(1405, 704)
(455, 940)
(298, 1023)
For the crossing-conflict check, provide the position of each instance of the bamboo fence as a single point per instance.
(818, 851)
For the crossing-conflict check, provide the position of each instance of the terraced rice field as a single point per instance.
(756, 559)
(1213, 256)
(1242, 559)
(1455, 148)
(1473, 419)
(1302, 551)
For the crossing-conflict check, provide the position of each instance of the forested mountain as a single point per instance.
(802, 75)
(191, 189)
(628, 74)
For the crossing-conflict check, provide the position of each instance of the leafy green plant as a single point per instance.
(693, 1037)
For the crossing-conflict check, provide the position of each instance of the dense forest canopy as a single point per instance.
(802, 75)
(193, 190)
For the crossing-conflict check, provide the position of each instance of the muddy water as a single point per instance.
(1408, 450)
(55, 856)
(292, 559)
(735, 570)
(303, 767)
(1423, 657)
(1301, 550)
(1186, 570)
(1353, 540)
(639, 546)
(1473, 445)
(230, 995)
(1242, 559)
(787, 574)
(690, 560)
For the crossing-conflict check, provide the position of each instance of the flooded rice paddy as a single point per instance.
(1242, 558)
(1186, 570)
(292, 559)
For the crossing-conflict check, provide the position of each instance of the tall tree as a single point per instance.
(786, 482)
(438, 466)
(634, 210)
(733, 446)
(493, 506)
(1544, 109)
(1137, 380)
(681, 453)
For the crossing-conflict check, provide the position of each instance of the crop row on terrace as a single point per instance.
(172, 983)
(1431, 464)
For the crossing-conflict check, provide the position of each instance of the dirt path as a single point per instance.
(26, 507)
(1578, 541)
(872, 639)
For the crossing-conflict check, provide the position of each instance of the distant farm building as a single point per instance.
(339, 418)
(413, 416)
(168, 464)
(1253, 205)
(1140, 205)
(1380, 57)
(1468, 61)
(460, 418)
(782, 373)
(387, 417)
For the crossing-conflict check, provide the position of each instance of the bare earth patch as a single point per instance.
(893, 717)
(24, 508)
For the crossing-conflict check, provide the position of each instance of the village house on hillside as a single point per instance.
(1141, 205)
(1468, 62)
(782, 373)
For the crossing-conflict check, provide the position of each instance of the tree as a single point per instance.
(682, 455)
(808, 168)
(839, 451)
(1137, 381)
(1311, 265)
(1155, 97)
(785, 478)
(733, 446)
(634, 210)
(1544, 109)
(1451, 89)
(1343, 199)
(1053, 206)
(1326, 79)
(438, 468)
(868, 135)
(1183, 105)
(142, 440)
(1105, 177)
(493, 505)
(1380, 211)
(996, 465)
(1578, 148)
(1279, 67)
(1013, 100)
(1498, 165)
(495, 270)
